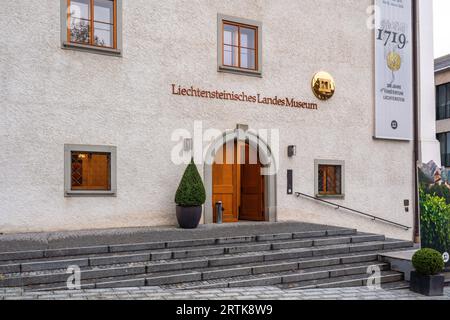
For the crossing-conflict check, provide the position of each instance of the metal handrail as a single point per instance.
(374, 218)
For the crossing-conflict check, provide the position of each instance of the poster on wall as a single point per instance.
(393, 70)
(434, 193)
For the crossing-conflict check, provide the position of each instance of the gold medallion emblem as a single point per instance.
(323, 85)
(394, 61)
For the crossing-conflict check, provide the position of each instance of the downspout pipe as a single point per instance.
(416, 90)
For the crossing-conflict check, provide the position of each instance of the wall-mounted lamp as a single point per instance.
(187, 144)
(292, 151)
(242, 127)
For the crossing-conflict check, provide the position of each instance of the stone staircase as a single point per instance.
(295, 260)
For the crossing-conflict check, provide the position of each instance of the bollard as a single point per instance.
(219, 212)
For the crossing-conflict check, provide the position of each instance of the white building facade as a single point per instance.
(115, 82)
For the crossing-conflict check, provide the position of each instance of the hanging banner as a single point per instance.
(393, 70)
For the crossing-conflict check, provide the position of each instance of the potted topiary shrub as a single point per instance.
(190, 197)
(426, 279)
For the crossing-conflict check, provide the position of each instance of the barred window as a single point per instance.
(90, 170)
(329, 180)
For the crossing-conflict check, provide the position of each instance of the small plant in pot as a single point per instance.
(190, 198)
(426, 279)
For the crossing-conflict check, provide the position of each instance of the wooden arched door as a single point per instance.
(238, 184)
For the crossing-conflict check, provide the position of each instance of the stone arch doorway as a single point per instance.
(235, 171)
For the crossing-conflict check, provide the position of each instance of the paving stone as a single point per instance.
(119, 259)
(226, 273)
(305, 276)
(275, 268)
(190, 243)
(198, 253)
(52, 265)
(177, 278)
(271, 237)
(248, 248)
(137, 247)
(21, 255)
(309, 234)
(332, 241)
(292, 244)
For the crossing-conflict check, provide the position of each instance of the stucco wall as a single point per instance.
(50, 97)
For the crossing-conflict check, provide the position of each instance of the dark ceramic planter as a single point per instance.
(431, 286)
(189, 217)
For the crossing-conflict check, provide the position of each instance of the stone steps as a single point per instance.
(25, 279)
(185, 245)
(232, 277)
(127, 271)
(37, 264)
(232, 261)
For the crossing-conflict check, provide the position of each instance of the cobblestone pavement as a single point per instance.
(256, 293)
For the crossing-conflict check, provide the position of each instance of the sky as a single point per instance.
(441, 27)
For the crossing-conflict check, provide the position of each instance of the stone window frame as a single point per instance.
(319, 162)
(228, 69)
(68, 149)
(66, 44)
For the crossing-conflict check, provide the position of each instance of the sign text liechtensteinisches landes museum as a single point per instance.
(241, 97)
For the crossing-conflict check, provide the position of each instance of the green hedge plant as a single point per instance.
(191, 191)
(428, 262)
(434, 221)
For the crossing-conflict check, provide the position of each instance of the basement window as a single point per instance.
(90, 170)
(329, 178)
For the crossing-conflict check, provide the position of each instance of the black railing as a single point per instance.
(338, 206)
